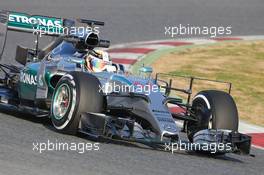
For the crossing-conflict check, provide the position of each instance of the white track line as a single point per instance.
(250, 128)
(258, 147)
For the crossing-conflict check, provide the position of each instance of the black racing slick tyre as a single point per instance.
(213, 110)
(75, 93)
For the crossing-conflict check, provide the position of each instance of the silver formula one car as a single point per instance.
(80, 90)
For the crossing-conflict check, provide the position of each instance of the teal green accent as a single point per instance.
(28, 91)
(48, 77)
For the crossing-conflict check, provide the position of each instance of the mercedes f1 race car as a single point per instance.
(77, 86)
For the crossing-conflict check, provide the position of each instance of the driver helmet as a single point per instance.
(99, 64)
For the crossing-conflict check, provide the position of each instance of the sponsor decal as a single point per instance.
(28, 78)
(22, 20)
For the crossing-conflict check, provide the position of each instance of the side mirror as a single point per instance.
(145, 72)
(146, 69)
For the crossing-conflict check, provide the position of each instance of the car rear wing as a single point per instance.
(23, 22)
(35, 24)
(39, 25)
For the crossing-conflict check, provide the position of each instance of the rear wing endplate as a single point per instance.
(3, 32)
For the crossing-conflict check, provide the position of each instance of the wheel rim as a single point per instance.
(61, 101)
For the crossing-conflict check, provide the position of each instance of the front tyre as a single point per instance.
(75, 93)
(213, 110)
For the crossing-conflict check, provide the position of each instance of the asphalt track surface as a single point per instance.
(126, 21)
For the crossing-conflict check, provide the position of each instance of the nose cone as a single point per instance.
(162, 116)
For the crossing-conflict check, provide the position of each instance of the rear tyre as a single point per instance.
(213, 110)
(75, 93)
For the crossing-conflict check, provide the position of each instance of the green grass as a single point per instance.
(241, 63)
